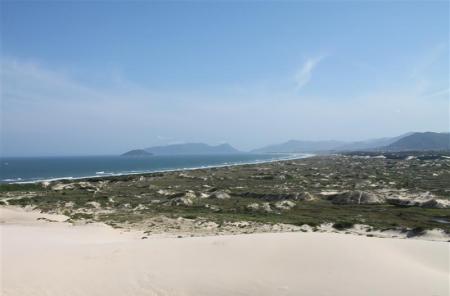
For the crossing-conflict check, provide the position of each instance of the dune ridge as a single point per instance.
(56, 258)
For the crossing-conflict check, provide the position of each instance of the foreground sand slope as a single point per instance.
(58, 259)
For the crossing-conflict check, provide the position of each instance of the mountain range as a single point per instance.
(406, 142)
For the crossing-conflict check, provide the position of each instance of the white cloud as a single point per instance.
(303, 76)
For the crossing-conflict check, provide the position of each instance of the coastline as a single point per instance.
(312, 194)
(292, 156)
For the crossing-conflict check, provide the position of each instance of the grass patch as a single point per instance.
(21, 187)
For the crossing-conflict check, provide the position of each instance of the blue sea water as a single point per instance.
(32, 169)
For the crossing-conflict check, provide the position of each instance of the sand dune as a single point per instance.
(45, 258)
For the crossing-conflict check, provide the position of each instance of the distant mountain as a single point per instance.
(405, 142)
(421, 141)
(293, 146)
(192, 148)
(137, 152)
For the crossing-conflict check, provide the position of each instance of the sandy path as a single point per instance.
(58, 259)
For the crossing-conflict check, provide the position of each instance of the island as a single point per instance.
(137, 153)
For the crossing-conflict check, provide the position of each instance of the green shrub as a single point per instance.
(342, 225)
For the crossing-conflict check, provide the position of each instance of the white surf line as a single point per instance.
(293, 157)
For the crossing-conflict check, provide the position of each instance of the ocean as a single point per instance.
(34, 169)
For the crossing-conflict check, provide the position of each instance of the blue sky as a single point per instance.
(104, 77)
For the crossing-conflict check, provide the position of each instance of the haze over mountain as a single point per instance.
(192, 148)
(408, 141)
(371, 143)
(292, 146)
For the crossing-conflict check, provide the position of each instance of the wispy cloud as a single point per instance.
(439, 93)
(422, 69)
(304, 74)
(430, 58)
(30, 82)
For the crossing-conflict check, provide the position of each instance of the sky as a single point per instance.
(104, 77)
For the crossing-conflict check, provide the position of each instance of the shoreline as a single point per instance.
(329, 193)
(293, 156)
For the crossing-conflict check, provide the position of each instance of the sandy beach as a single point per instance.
(57, 258)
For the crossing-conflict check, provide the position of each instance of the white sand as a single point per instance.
(42, 258)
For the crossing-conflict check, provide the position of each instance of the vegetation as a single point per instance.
(408, 192)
